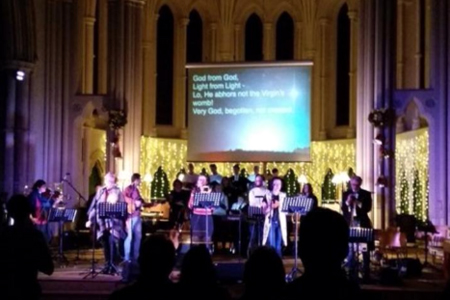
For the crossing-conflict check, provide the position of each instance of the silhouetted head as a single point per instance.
(264, 272)
(323, 240)
(156, 257)
(197, 268)
(19, 208)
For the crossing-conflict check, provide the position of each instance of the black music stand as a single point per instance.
(298, 206)
(206, 201)
(256, 213)
(358, 235)
(61, 215)
(110, 211)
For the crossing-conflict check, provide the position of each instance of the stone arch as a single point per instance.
(282, 8)
(247, 10)
(414, 106)
(204, 10)
(176, 10)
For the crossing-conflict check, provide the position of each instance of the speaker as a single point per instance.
(230, 272)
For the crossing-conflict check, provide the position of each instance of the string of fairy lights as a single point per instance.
(170, 154)
(412, 189)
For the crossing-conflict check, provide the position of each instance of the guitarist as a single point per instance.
(133, 222)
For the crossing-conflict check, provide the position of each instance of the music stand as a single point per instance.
(256, 213)
(61, 215)
(206, 201)
(110, 211)
(358, 235)
(298, 206)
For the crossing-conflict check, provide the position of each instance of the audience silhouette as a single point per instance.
(198, 277)
(23, 253)
(156, 261)
(264, 275)
(323, 246)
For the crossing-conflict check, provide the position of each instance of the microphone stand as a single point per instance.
(77, 229)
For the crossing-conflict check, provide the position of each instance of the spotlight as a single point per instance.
(379, 140)
(20, 75)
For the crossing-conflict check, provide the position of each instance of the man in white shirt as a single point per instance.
(190, 179)
(214, 177)
(256, 197)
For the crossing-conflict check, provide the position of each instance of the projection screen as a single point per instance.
(249, 112)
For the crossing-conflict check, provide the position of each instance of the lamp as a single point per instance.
(148, 178)
(379, 139)
(302, 179)
(20, 75)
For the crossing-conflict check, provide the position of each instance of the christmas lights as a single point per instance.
(170, 154)
(411, 155)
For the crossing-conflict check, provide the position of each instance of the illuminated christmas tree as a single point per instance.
(160, 185)
(404, 193)
(291, 184)
(417, 197)
(328, 187)
(427, 196)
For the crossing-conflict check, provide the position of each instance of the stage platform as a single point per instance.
(68, 282)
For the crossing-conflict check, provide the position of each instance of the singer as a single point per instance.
(109, 231)
(275, 228)
(356, 205)
(198, 222)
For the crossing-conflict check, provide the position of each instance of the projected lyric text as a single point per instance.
(249, 113)
(222, 94)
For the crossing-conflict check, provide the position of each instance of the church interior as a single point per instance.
(92, 87)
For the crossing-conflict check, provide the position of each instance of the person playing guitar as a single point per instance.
(133, 223)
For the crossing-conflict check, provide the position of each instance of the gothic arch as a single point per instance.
(176, 10)
(416, 107)
(282, 8)
(207, 13)
(247, 10)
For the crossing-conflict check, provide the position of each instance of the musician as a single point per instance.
(41, 206)
(109, 230)
(178, 200)
(356, 205)
(256, 196)
(307, 191)
(133, 223)
(238, 184)
(275, 225)
(200, 216)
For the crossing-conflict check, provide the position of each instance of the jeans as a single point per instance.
(274, 239)
(256, 233)
(110, 247)
(133, 240)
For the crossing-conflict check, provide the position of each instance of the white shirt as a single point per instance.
(257, 195)
(215, 177)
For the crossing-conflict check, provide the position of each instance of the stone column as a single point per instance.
(88, 47)
(15, 127)
(180, 76)
(149, 73)
(298, 39)
(374, 81)
(353, 16)
(322, 73)
(132, 85)
(238, 51)
(213, 48)
(268, 42)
